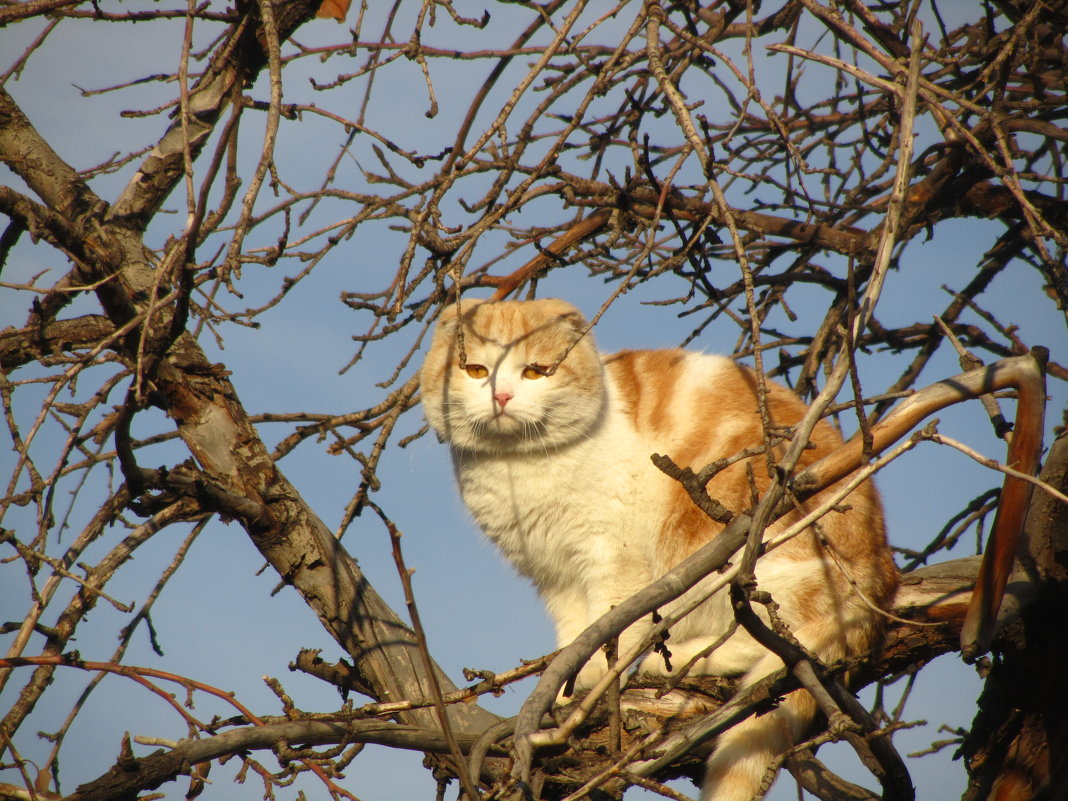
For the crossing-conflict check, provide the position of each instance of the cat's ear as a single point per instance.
(450, 313)
(574, 320)
(567, 316)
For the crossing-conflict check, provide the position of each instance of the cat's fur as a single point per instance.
(554, 464)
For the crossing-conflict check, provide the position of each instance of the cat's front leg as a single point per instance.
(569, 608)
(598, 665)
(627, 641)
(572, 616)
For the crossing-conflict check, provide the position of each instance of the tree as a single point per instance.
(769, 173)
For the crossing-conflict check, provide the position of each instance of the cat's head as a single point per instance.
(512, 376)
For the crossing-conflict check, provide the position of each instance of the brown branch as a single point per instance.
(581, 230)
(642, 202)
(84, 600)
(25, 345)
(133, 777)
(1026, 375)
(141, 675)
(33, 8)
(1014, 748)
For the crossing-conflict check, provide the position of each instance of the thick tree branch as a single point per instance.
(643, 202)
(31, 158)
(131, 777)
(236, 63)
(19, 346)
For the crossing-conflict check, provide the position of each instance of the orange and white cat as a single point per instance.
(551, 444)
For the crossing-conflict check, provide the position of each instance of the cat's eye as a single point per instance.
(476, 370)
(533, 371)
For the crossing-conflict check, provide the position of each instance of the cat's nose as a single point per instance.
(502, 396)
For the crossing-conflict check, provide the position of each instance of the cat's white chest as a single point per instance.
(558, 515)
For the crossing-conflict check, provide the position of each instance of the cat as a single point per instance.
(551, 444)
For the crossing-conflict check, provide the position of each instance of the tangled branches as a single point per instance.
(758, 175)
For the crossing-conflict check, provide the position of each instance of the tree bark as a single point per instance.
(1018, 746)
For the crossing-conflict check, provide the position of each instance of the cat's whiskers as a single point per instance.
(563, 424)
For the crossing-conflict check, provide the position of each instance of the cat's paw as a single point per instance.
(584, 681)
(681, 655)
(658, 664)
(732, 658)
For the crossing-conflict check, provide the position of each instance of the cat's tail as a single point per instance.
(741, 766)
(745, 755)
